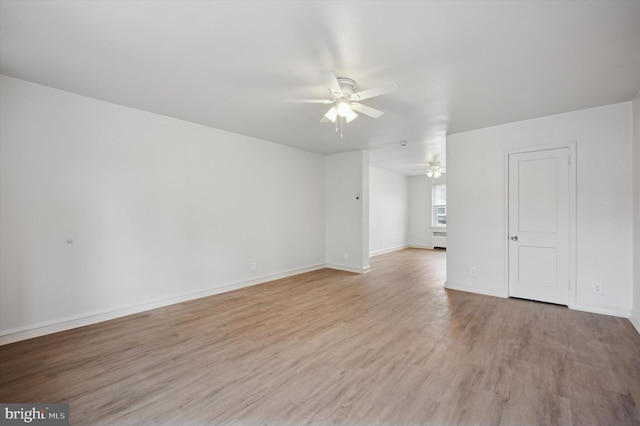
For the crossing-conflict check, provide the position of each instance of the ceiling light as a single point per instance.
(351, 116)
(343, 108)
(332, 114)
(434, 171)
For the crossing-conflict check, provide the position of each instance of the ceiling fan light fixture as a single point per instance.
(434, 171)
(343, 108)
(344, 100)
(332, 114)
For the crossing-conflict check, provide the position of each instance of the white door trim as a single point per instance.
(572, 147)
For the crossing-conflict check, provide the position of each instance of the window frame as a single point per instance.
(436, 203)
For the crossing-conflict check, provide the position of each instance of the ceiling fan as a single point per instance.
(434, 171)
(344, 100)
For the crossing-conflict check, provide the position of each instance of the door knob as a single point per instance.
(514, 238)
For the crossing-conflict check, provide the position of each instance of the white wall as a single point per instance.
(636, 212)
(420, 234)
(388, 211)
(476, 202)
(159, 209)
(347, 211)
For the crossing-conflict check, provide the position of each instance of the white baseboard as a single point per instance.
(635, 321)
(585, 308)
(418, 246)
(62, 324)
(604, 311)
(387, 250)
(348, 268)
(472, 289)
(49, 327)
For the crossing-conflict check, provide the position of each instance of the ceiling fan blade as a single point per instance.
(375, 91)
(331, 81)
(366, 110)
(309, 101)
(330, 115)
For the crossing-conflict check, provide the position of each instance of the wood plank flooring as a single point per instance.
(388, 347)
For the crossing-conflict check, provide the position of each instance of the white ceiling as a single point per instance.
(461, 65)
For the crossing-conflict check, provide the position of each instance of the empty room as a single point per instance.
(319, 212)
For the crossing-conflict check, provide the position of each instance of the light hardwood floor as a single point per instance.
(388, 347)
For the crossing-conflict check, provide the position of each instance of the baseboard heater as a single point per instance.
(439, 239)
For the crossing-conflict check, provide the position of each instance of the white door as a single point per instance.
(539, 225)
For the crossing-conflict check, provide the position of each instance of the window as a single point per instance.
(439, 203)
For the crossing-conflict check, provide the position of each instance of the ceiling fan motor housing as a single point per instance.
(347, 85)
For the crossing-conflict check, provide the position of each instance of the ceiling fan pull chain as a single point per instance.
(341, 125)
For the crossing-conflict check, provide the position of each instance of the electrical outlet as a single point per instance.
(473, 271)
(597, 288)
(346, 256)
(253, 266)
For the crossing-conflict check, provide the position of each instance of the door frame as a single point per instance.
(572, 147)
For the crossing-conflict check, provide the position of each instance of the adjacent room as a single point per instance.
(355, 212)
